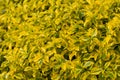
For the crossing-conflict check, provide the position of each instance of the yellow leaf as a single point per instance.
(84, 75)
(72, 54)
(57, 21)
(95, 56)
(88, 64)
(23, 33)
(96, 70)
(51, 2)
(46, 59)
(37, 57)
(64, 66)
(93, 78)
(90, 1)
(107, 39)
(28, 68)
(107, 64)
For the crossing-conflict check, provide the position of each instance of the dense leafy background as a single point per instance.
(59, 39)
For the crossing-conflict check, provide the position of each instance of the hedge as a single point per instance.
(59, 39)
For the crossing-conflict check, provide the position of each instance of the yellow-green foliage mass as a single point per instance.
(59, 39)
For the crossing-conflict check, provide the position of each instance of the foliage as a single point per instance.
(59, 39)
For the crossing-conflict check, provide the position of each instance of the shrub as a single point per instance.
(59, 39)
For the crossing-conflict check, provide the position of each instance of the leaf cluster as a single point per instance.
(59, 39)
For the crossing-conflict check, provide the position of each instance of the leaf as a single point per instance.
(96, 71)
(111, 74)
(118, 73)
(88, 64)
(46, 59)
(85, 75)
(95, 56)
(72, 54)
(107, 39)
(37, 57)
(23, 33)
(28, 68)
(19, 76)
(107, 64)
(57, 21)
(93, 78)
(51, 2)
(90, 1)
(94, 33)
(64, 66)
(77, 71)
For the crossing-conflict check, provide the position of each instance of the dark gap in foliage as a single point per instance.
(96, 47)
(97, 76)
(66, 56)
(118, 77)
(54, 60)
(16, 1)
(92, 59)
(48, 74)
(36, 51)
(56, 34)
(82, 16)
(103, 32)
(13, 46)
(1, 23)
(59, 50)
(117, 48)
(104, 20)
(40, 70)
(73, 58)
(28, 64)
(0, 45)
(77, 43)
(68, 23)
(59, 70)
(2, 38)
(93, 24)
(45, 42)
(111, 57)
(7, 69)
(51, 56)
(5, 47)
(115, 7)
(76, 30)
(118, 68)
(21, 1)
(3, 11)
(46, 7)
(108, 78)
(39, 75)
(2, 59)
(29, 16)
(5, 27)
(48, 49)
(27, 73)
(101, 39)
